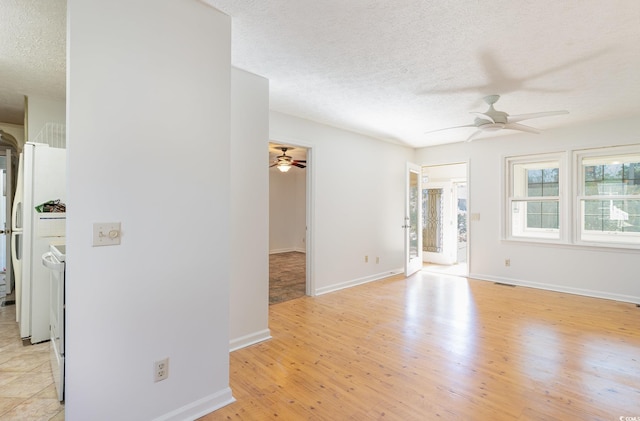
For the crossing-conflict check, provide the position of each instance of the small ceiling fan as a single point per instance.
(284, 162)
(493, 120)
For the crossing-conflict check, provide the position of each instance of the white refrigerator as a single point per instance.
(41, 178)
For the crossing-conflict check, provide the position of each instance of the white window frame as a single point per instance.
(539, 161)
(613, 239)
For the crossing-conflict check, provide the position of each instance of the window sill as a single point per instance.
(615, 248)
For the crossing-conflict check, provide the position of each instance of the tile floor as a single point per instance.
(27, 392)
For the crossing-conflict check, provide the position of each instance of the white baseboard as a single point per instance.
(558, 288)
(287, 250)
(200, 408)
(359, 281)
(246, 340)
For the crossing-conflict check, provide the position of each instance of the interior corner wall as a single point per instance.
(287, 210)
(598, 272)
(357, 201)
(41, 111)
(134, 70)
(249, 299)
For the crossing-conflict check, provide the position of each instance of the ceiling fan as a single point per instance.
(493, 120)
(284, 162)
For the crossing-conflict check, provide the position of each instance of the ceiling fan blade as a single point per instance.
(521, 117)
(521, 127)
(298, 165)
(301, 160)
(449, 128)
(474, 135)
(273, 165)
(484, 116)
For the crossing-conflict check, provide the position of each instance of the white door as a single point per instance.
(413, 221)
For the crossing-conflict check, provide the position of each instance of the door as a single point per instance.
(413, 221)
(440, 228)
(5, 221)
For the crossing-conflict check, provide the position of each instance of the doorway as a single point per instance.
(444, 205)
(288, 216)
(8, 169)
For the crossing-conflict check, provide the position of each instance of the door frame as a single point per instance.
(412, 266)
(310, 285)
(453, 181)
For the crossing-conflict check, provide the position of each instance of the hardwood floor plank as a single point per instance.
(440, 347)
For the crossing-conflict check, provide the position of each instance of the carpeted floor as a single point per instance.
(287, 277)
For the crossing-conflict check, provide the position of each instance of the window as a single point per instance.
(592, 200)
(534, 199)
(608, 200)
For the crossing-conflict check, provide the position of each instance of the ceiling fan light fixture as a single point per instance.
(284, 166)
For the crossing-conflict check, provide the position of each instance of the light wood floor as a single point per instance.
(438, 347)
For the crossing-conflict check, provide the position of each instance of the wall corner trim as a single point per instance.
(558, 288)
(358, 281)
(250, 339)
(199, 408)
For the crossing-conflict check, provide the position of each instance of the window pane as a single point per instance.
(550, 221)
(593, 173)
(632, 171)
(534, 207)
(534, 190)
(592, 207)
(550, 207)
(613, 172)
(617, 179)
(593, 222)
(591, 188)
(542, 182)
(529, 220)
(542, 215)
(550, 189)
(611, 187)
(611, 217)
(534, 176)
(534, 220)
(550, 175)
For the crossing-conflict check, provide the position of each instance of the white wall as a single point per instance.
(287, 210)
(148, 129)
(588, 271)
(358, 186)
(40, 111)
(249, 299)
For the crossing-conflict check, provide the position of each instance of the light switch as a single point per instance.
(106, 234)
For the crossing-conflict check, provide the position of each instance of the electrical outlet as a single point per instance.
(161, 370)
(377, 260)
(366, 259)
(507, 262)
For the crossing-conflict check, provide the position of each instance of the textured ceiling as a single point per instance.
(32, 53)
(391, 69)
(395, 69)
